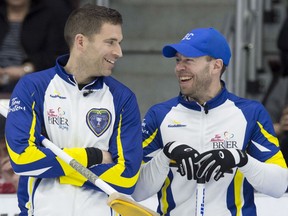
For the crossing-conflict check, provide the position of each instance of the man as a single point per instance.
(210, 134)
(83, 110)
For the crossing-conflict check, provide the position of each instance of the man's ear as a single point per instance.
(79, 41)
(218, 65)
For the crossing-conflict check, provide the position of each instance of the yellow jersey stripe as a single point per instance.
(164, 196)
(268, 136)
(113, 175)
(146, 142)
(238, 185)
(31, 153)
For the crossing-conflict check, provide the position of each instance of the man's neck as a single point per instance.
(17, 13)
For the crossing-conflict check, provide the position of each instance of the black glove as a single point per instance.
(218, 162)
(94, 156)
(184, 155)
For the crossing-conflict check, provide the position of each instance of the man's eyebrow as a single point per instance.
(113, 39)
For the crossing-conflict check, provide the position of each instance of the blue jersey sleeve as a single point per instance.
(23, 129)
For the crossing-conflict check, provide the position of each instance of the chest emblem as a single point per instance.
(98, 120)
(224, 140)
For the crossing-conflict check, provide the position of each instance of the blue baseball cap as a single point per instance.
(201, 42)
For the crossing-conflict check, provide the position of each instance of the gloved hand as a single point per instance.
(218, 162)
(94, 156)
(184, 155)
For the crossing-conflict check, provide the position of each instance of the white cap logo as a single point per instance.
(188, 36)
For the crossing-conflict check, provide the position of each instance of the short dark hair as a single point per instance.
(209, 58)
(88, 20)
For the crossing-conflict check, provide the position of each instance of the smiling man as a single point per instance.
(82, 109)
(226, 141)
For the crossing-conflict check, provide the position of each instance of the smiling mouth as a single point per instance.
(185, 79)
(109, 61)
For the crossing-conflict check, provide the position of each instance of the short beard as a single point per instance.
(201, 87)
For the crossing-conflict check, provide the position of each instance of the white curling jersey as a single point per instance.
(104, 114)
(227, 121)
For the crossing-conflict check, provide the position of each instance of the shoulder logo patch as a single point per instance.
(98, 120)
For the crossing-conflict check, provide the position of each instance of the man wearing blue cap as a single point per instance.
(208, 133)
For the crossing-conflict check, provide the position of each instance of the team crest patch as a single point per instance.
(98, 120)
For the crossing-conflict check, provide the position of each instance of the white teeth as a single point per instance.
(110, 61)
(184, 78)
